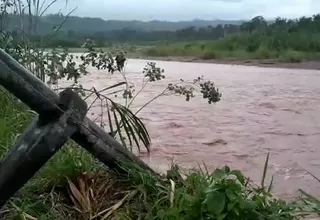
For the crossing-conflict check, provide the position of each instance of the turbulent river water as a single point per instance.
(262, 110)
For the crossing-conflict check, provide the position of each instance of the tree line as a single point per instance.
(302, 34)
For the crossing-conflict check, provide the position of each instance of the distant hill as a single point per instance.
(86, 25)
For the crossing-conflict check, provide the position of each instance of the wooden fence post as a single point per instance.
(40, 98)
(44, 136)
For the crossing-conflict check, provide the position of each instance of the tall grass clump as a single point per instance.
(14, 116)
(292, 56)
(201, 194)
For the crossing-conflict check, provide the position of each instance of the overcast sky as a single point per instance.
(175, 10)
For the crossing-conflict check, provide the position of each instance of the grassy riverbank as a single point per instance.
(283, 40)
(215, 50)
(211, 50)
(73, 185)
(178, 54)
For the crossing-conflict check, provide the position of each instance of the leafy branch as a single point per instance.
(57, 64)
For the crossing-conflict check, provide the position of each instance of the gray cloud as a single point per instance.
(176, 10)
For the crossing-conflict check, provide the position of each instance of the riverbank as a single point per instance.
(267, 63)
(224, 52)
(141, 52)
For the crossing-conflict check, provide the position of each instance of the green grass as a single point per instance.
(225, 49)
(12, 121)
(72, 185)
(69, 162)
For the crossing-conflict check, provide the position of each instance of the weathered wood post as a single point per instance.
(39, 97)
(44, 136)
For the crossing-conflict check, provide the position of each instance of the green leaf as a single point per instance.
(249, 205)
(222, 216)
(230, 206)
(218, 174)
(118, 126)
(310, 197)
(271, 184)
(231, 195)
(133, 126)
(265, 168)
(161, 214)
(129, 130)
(215, 202)
(227, 169)
(239, 176)
(109, 120)
(113, 86)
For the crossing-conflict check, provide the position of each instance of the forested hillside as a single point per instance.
(86, 25)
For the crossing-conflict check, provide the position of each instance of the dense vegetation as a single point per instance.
(283, 39)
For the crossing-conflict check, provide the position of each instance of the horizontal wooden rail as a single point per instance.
(40, 98)
(38, 143)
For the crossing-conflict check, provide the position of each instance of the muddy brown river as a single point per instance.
(262, 110)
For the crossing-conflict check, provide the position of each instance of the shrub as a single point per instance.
(291, 56)
(208, 55)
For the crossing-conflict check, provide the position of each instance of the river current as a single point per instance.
(261, 110)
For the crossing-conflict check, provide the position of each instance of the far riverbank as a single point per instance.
(267, 63)
(313, 65)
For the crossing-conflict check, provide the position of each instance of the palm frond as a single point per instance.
(129, 126)
(122, 139)
(113, 86)
(110, 120)
(122, 122)
(98, 93)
